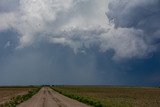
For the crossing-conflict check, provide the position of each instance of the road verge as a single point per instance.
(86, 100)
(13, 102)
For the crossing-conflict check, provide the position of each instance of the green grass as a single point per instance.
(105, 96)
(13, 102)
(84, 99)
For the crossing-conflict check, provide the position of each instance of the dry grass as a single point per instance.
(117, 96)
(8, 92)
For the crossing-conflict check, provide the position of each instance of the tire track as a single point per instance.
(49, 98)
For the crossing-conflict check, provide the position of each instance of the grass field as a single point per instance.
(6, 93)
(113, 96)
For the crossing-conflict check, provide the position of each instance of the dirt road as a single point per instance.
(47, 97)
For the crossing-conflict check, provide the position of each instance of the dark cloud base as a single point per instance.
(137, 27)
(47, 63)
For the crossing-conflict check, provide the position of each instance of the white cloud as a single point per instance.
(126, 42)
(79, 24)
(7, 20)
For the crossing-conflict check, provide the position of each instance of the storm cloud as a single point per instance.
(77, 33)
(143, 15)
(130, 28)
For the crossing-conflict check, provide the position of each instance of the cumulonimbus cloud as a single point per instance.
(129, 28)
(139, 14)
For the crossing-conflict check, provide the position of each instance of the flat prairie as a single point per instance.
(7, 93)
(115, 96)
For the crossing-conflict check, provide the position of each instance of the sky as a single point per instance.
(81, 42)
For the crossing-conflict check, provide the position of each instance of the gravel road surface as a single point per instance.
(47, 97)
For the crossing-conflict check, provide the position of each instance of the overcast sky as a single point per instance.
(97, 42)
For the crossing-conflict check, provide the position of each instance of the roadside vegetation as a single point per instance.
(103, 96)
(14, 101)
(83, 99)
